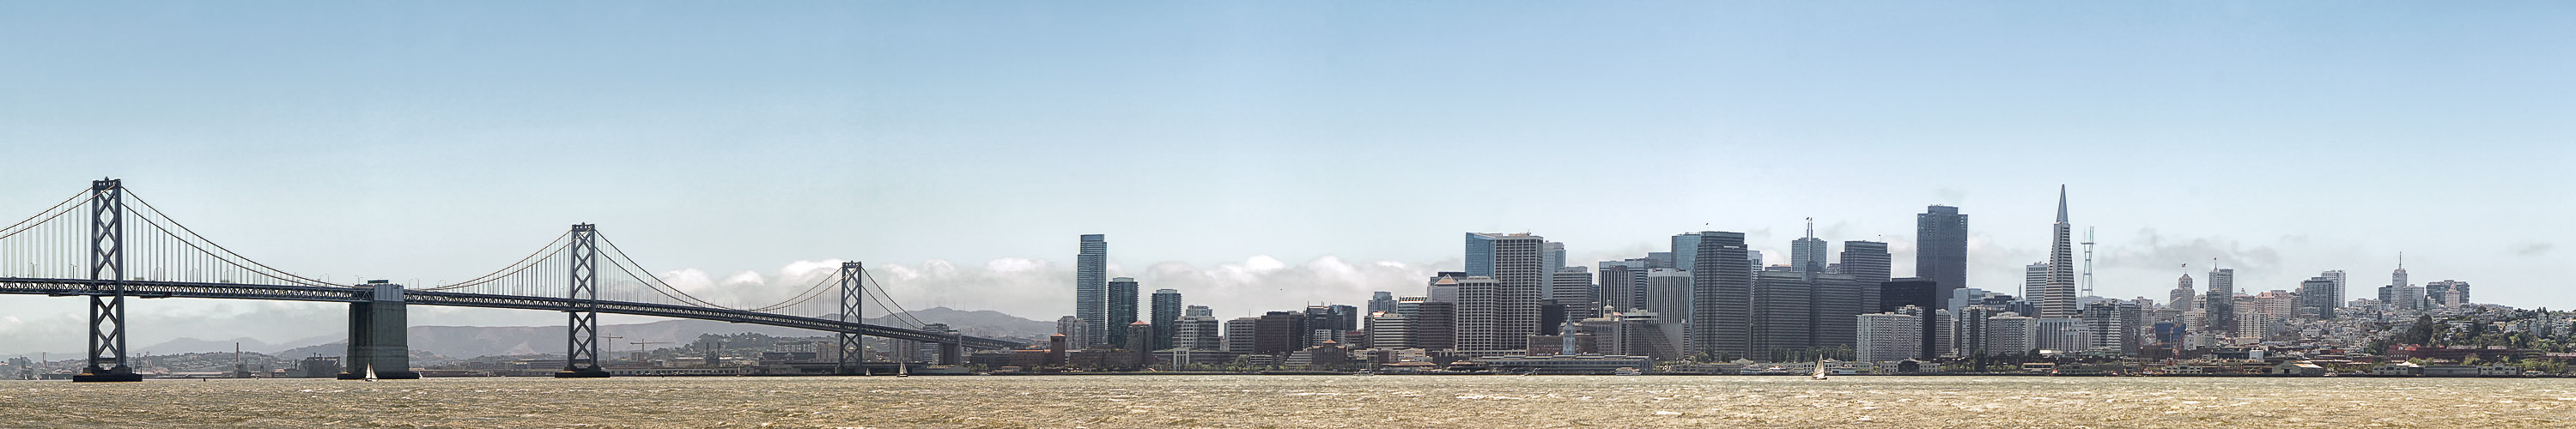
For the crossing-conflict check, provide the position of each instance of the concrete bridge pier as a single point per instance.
(952, 354)
(377, 336)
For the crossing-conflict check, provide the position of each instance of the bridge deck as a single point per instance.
(162, 289)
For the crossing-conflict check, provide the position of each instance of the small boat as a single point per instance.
(1625, 371)
(371, 373)
(902, 369)
(1820, 370)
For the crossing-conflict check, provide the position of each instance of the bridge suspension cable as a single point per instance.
(522, 265)
(228, 257)
(901, 314)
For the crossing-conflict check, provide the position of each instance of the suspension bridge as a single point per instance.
(107, 244)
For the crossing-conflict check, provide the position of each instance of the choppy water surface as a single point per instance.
(1481, 402)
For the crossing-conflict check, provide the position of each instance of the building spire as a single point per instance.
(1811, 231)
(2061, 203)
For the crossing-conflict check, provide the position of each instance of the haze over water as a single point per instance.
(1299, 402)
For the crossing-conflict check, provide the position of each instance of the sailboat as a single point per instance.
(903, 369)
(371, 373)
(1820, 370)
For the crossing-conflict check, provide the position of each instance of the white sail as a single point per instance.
(1820, 369)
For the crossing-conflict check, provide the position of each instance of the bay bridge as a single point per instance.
(107, 244)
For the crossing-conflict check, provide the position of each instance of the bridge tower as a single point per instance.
(581, 348)
(852, 353)
(377, 336)
(107, 298)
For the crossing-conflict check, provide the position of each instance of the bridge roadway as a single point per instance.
(165, 289)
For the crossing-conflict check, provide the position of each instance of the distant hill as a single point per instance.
(473, 341)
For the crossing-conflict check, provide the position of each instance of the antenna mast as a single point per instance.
(2088, 261)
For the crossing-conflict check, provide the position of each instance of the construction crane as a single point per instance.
(640, 345)
(612, 349)
(2088, 261)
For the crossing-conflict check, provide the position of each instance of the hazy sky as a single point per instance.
(1258, 156)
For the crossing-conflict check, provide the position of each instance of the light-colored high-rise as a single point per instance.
(2010, 333)
(1668, 294)
(2057, 297)
(1510, 314)
(2183, 295)
(1884, 337)
(1091, 290)
(2340, 297)
(1199, 330)
(2033, 279)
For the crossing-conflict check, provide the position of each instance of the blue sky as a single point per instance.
(1256, 154)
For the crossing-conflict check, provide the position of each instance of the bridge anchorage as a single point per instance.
(125, 248)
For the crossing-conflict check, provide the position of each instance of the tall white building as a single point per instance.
(2033, 278)
(2057, 297)
(2184, 296)
(2340, 296)
(1889, 337)
(2010, 333)
(1504, 318)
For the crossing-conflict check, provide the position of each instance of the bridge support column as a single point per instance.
(851, 352)
(581, 347)
(379, 337)
(952, 354)
(107, 303)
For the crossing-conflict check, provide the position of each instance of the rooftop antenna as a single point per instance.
(1811, 227)
(2088, 261)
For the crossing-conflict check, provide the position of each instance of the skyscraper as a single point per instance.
(1884, 337)
(1571, 286)
(1941, 246)
(1167, 318)
(1685, 251)
(1922, 294)
(1198, 330)
(1867, 262)
(1381, 301)
(1516, 265)
(2183, 294)
(1622, 284)
(2316, 294)
(1783, 308)
(1241, 334)
(2447, 292)
(2033, 279)
(2057, 299)
(1122, 310)
(1807, 255)
(1091, 291)
(2218, 307)
(1668, 294)
(1073, 327)
(1721, 297)
(1435, 325)
(2340, 297)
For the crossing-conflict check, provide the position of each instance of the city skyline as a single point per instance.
(1255, 157)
